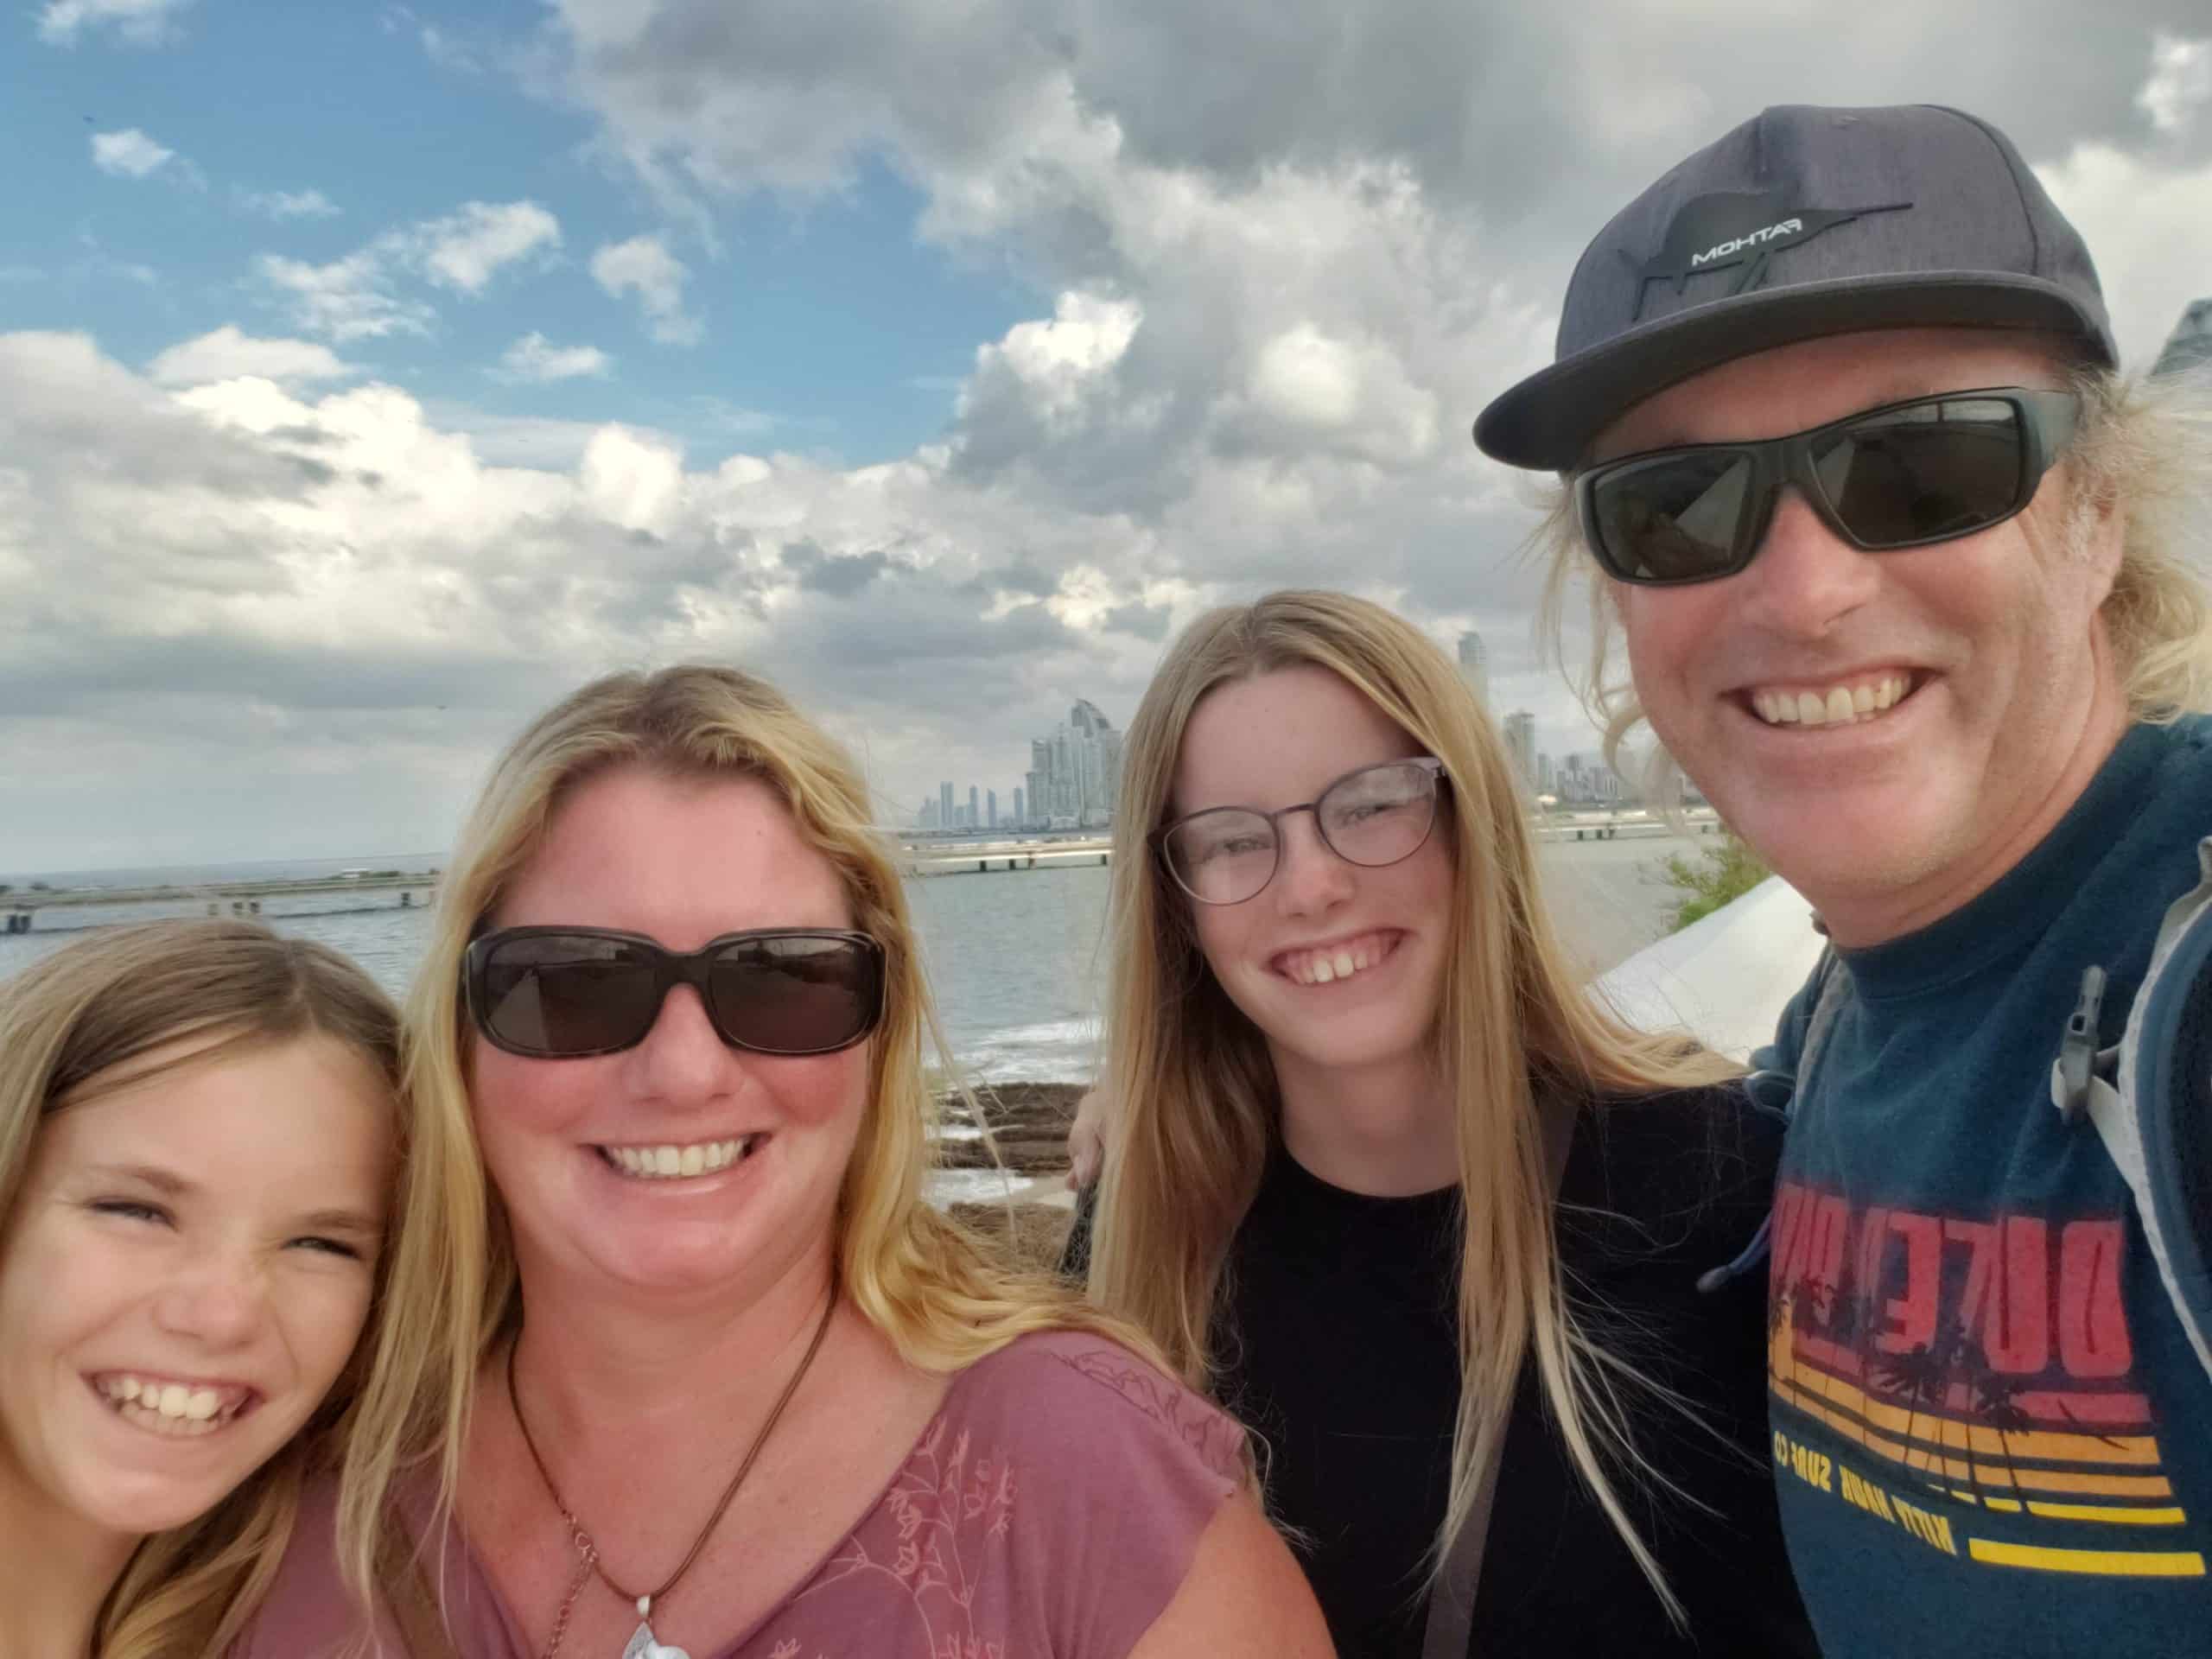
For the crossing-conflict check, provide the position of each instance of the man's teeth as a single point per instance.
(1835, 705)
(1326, 967)
(673, 1163)
(171, 1407)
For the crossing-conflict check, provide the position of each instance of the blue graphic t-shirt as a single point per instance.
(1991, 1434)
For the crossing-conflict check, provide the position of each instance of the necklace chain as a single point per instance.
(587, 1551)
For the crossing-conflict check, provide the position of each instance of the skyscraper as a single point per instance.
(946, 817)
(1075, 774)
(1038, 779)
(975, 810)
(2190, 345)
(1520, 744)
(1020, 816)
(991, 808)
(1474, 667)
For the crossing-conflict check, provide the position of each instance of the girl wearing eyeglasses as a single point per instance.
(739, 1392)
(1353, 1071)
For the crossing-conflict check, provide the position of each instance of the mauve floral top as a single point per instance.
(1050, 1511)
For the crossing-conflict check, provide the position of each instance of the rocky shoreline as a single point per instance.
(1028, 1124)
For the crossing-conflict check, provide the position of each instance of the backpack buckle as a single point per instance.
(2076, 1067)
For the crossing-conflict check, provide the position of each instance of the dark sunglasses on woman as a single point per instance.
(1928, 469)
(565, 993)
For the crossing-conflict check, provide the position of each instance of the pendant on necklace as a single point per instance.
(643, 1646)
(643, 1643)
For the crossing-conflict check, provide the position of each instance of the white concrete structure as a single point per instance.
(1725, 978)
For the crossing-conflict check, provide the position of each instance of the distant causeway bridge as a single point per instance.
(402, 889)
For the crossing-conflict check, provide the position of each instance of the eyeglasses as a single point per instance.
(564, 993)
(1907, 475)
(1374, 817)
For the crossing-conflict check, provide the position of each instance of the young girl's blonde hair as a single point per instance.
(1514, 1038)
(71, 1025)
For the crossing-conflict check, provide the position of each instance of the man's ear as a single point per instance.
(2103, 529)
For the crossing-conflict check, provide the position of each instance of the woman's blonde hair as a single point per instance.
(1514, 1038)
(2144, 445)
(72, 1027)
(938, 1292)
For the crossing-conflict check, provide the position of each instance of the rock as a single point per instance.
(1029, 1126)
(1028, 1121)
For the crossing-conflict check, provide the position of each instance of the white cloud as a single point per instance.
(1063, 362)
(288, 204)
(644, 266)
(128, 154)
(227, 354)
(2149, 227)
(448, 53)
(534, 357)
(360, 297)
(1305, 377)
(140, 22)
(1353, 397)
(346, 299)
(1272, 318)
(631, 480)
(345, 585)
(466, 249)
(2180, 84)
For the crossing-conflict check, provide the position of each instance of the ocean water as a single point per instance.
(1016, 960)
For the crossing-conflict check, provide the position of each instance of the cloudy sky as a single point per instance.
(370, 375)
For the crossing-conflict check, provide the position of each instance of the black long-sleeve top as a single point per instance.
(1338, 1338)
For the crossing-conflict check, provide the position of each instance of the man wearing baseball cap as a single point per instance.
(1906, 573)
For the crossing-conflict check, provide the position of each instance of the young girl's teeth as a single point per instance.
(1327, 967)
(168, 1407)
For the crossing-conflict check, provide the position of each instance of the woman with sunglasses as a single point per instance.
(741, 1392)
(1352, 1070)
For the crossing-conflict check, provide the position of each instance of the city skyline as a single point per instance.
(1072, 782)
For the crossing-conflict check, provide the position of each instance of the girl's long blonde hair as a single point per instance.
(942, 1296)
(68, 1024)
(1515, 1036)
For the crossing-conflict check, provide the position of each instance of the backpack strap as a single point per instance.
(1777, 1092)
(1452, 1597)
(2150, 1099)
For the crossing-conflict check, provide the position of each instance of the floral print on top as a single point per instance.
(1049, 1510)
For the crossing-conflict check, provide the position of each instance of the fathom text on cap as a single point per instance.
(1800, 222)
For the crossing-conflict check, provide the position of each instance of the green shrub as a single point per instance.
(1719, 873)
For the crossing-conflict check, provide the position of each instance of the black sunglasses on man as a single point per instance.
(1906, 474)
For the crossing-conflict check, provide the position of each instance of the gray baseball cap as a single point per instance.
(1803, 222)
